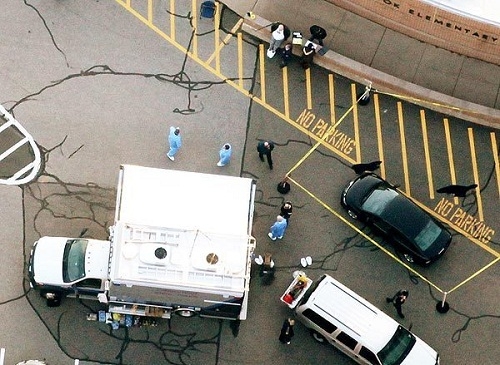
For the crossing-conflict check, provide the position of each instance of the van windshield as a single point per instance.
(397, 348)
(74, 260)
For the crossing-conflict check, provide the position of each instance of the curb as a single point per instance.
(256, 26)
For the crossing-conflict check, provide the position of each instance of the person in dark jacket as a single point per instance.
(286, 55)
(307, 56)
(317, 34)
(397, 300)
(287, 333)
(265, 148)
(286, 210)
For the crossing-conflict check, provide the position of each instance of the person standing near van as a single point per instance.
(398, 300)
(174, 140)
(287, 333)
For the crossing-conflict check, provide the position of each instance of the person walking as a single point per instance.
(286, 55)
(265, 148)
(225, 155)
(279, 33)
(287, 332)
(175, 142)
(286, 211)
(278, 228)
(397, 300)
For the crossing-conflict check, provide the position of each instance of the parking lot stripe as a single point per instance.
(240, 59)
(331, 92)
(194, 12)
(286, 96)
(476, 174)
(355, 120)
(217, 37)
(403, 147)
(494, 147)
(451, 162)
(308, 89)
(172, 20)
(427, 155)
(378, 124)
(262, 58)
(150, 11)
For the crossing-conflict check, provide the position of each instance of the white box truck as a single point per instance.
(181, 243)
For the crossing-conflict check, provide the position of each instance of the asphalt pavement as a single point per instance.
(96, 88)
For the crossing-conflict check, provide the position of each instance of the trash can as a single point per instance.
(207, 9)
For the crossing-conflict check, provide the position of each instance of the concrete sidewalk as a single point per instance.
(362, 50)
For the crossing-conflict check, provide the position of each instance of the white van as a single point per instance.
(337, 315)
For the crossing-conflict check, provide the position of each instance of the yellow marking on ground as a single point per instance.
(468, 236)
(494, 148)
(259, 100)
(150, 11)
(331, 92)
(474, 275)
(368, 238)
(217, 37)
(475, 173)
(403, 147)
(378, 124)
(240, 59)
(262, 58)
(422, 101)
(451, 224)
(224, 42)
(355, 120)
(194, 12)
(286, 99)
(279, 114)
(172, 20)
(451, 162)
(308, 89)
(328, 133)
(427, 154)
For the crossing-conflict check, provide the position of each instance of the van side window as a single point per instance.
(347, 340)
(368, 355)
(319, 321)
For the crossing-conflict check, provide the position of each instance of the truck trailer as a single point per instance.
(181, 242)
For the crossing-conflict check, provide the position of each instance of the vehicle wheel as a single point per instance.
(185, 312)
(53, 298)
(409, 258)
(319, 338)
(352, 214)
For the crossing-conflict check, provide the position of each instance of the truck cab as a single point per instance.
(62, 266)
